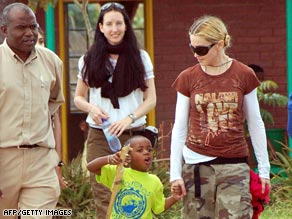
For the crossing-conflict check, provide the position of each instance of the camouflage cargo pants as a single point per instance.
(224, 192)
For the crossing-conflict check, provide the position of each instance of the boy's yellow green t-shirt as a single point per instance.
(140, 193)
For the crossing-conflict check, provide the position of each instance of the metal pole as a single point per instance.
(148, 9)
(50, 28)
(289, 51)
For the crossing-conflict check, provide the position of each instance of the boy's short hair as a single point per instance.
(133, 138)
(150, 132)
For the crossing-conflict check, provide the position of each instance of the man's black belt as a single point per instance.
(27, 146)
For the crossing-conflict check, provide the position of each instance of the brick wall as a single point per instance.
(258, 31)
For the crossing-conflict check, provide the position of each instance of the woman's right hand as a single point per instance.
(178, 188)
(97, 114)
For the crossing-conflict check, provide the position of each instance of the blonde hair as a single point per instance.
(212, 29)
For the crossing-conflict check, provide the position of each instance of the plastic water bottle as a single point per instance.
(112, 140)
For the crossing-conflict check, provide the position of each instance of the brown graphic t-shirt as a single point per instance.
(216, 109)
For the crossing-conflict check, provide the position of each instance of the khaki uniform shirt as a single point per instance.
(30, 92)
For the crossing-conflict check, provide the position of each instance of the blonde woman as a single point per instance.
(214, 98)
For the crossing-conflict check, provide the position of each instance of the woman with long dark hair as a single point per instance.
(120, 80)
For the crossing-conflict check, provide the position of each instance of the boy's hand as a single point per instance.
(115, 159)
(178, 189)
(176, 192)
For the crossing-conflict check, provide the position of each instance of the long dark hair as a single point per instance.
(131, 73)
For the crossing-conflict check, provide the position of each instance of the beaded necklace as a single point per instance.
(217, 66)
(221, 64)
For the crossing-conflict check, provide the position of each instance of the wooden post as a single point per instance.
(118, 179)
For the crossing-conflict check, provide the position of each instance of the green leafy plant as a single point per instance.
(34, 4)
(267, 95)
(78, 194)
(284, 161)
(160, 167)
(280, 205)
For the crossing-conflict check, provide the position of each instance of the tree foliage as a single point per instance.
(267, 95)
(34, 4)
(82, 5)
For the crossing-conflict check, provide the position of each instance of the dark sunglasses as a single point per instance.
(201, 50)
(112, 4)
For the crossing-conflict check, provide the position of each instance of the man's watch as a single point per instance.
(61, 163)
(133, 117)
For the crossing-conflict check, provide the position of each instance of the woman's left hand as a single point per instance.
(265, 182)
(118, 127)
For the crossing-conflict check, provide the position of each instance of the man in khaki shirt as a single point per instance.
(30, 93)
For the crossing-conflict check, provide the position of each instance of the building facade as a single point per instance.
(259, 36)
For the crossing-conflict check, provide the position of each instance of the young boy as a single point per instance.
(140, 193)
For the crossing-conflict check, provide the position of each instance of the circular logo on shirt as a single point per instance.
(130, 203)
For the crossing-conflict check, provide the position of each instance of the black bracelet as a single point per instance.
(61, 163)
